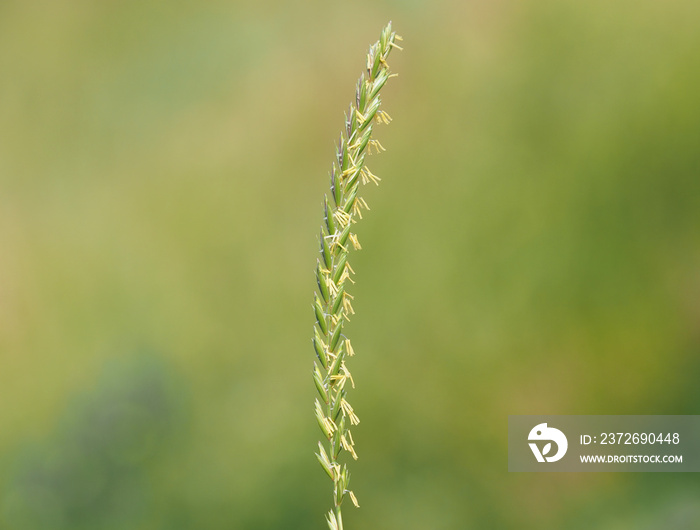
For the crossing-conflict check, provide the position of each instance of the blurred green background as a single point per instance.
(534, 249)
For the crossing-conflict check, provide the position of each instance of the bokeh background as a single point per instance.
(534, 249)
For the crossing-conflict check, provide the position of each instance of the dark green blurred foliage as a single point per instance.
(534, 248)
(94, 471)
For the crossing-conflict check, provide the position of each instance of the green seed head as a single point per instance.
(332, 303)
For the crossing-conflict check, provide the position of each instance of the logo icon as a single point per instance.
(549, 434)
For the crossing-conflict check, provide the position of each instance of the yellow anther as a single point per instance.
(355, 242)
(348, 348)
(368, 176)
(341, 217)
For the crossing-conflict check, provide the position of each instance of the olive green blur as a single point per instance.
(534, 248)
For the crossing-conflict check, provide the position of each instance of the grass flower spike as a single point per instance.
(332, 302)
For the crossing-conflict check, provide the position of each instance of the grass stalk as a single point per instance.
(332, 301)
